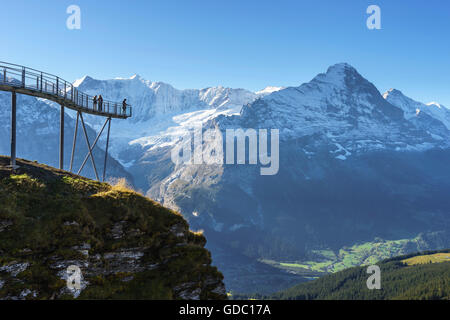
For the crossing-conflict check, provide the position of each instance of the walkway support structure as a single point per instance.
(23, 80)
(106, 150)
(13, 129)
(74, 142)
(61, 138)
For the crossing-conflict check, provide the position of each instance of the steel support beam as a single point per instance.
(74, 141)
(61, 138)
(106, 151)
(93, 146)
(13, 129)
(89, 146)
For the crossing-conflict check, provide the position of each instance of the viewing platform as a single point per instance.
(24, 80)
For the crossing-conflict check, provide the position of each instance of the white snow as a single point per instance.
(79, 81)
(413, 108)
(268, 90)
(434, 104)
(163, 114)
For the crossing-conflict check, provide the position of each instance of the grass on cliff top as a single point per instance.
(49, 212)
(45, 204)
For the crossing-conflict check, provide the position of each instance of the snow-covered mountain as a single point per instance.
(155, 99)
(349, 110)
(339, 112)
(337, 116)
(414, 109)
(339, 104)
(161, 113)
(354, 165)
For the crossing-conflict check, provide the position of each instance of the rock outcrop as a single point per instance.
(124, 246)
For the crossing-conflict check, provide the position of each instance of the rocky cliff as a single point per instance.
(125, 245)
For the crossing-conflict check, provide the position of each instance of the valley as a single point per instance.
(327, 261)
(400, 281)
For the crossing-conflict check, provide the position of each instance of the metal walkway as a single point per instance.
(23, 80)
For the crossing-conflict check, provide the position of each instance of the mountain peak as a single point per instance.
(268, 90)
(135, 76)
(341, 70)
(78, 82)
(393, 93)
(339, 74)
(339, 67)
(398, 99)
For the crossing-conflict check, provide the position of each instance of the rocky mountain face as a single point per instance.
(345, 108)
(429, 117)
(338, 136)
(124, 246)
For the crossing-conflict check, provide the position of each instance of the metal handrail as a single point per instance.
(43, 82)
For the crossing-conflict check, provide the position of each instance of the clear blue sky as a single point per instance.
(246, 43)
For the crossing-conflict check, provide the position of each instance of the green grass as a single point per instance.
(295, 265)
(49, 212)
(327, 261)
(429, 258)
(410, 277)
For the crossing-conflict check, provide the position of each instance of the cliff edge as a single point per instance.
(124, 245)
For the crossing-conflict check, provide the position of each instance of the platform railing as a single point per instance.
(45, 83)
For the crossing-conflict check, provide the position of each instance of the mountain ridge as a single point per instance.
(347, 156)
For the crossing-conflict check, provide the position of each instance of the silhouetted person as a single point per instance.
(100, 103)
(124, 106)
(95, 102)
